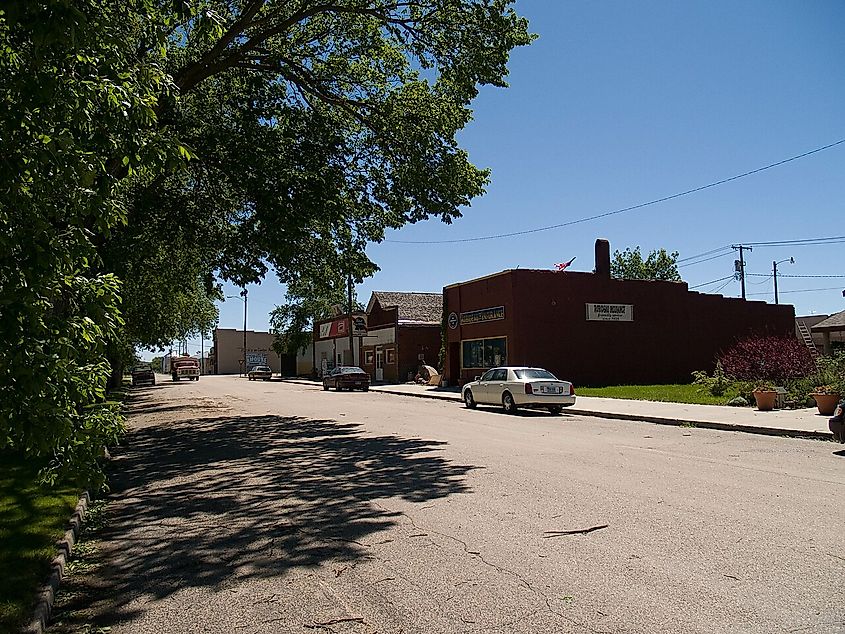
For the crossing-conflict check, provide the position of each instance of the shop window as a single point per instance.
(485, 353)
(391, 356)
(368, 357)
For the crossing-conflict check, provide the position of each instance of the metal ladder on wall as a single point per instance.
(807, 338)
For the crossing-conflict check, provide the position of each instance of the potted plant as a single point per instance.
(826, 397)
(766, 396)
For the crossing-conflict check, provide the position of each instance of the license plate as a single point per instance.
(545, 389)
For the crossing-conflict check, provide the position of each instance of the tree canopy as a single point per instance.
(658, 265)
(153, 148)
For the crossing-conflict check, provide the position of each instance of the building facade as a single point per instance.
(227, 354)
(395, 335)
(595, 330)
(403, 332)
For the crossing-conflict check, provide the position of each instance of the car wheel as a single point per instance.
(365, 389)
(325, 387)
(555, 410)
(469, 401)
(508, 403)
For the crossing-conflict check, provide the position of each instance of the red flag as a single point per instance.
(562, 266)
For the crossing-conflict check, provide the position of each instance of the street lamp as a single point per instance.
(243, 297)
(775, 274)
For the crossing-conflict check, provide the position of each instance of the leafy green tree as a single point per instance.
(153, 147)
(658, 265)
(75, 99)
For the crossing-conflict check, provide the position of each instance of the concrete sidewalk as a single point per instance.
(801, 423)
(805, 423)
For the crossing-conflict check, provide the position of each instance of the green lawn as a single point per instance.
(32, 519)
(667, 393)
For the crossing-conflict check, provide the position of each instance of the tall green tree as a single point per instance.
(658, 265)
(152, 148)
(75, 100)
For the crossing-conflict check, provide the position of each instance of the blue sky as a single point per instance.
(618, 103)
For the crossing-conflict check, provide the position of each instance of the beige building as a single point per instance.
(227, 354)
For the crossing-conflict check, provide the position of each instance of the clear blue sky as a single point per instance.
(618, 103)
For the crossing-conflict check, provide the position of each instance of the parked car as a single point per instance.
(262, 372)
(143, 374)
(346, 377)
(515, 387)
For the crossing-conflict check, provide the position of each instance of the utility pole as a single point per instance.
(244, 293)
(740, 265)
(775, 274)
(351, 339)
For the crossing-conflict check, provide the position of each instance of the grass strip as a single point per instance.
(673, 393)
(33, 517)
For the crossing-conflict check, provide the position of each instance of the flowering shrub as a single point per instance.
(775, 359)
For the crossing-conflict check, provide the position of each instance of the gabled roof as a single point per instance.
(834, 323)
(421, 308)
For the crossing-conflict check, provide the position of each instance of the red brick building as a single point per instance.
(403, 331)
(595, 330)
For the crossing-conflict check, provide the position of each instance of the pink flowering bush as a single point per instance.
(777, 359)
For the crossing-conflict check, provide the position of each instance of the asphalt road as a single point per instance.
(243, 506)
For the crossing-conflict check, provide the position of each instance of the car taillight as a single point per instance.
(529, 389)
(571, 390)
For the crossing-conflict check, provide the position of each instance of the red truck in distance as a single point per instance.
(185, 367)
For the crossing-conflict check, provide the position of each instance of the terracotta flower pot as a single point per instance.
(826, 403)
(765, 400)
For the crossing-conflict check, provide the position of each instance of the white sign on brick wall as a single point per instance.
(610, 312)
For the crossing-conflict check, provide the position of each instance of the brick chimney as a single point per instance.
(602, 258)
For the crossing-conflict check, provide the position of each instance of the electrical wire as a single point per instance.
(626, 209)
(694, 257)
(799, 242)
(722, 286)
(712, 257)
(721, 279)
(801, 276)
(766, 281)
(801, 290)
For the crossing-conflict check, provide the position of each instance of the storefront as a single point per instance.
(594, 330)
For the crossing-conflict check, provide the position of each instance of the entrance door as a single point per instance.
(379, 364)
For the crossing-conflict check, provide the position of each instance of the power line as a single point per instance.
(626, 209)
(712, 257)
(801, 276)
(803, 290)
(721, 279)
(802, 241)
(693, 257)
(723, 286)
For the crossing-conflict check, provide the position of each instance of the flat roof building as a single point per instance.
(593, 329)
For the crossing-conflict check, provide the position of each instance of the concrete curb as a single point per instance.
(658, 420)
(47, 594)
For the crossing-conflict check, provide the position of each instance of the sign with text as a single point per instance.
(485, 314)
(256, 358)
(336, 328)
(610, 312)
(359, 325)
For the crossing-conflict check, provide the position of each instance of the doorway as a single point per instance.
(379, 364)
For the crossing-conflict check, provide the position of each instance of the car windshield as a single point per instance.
(351, 371)
(261, 368)
(141, 368)
(534, 373)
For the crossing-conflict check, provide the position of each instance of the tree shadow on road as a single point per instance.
(213, 501)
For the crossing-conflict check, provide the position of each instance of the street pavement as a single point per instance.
(243, 506)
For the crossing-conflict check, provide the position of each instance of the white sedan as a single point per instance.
(515, 387)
